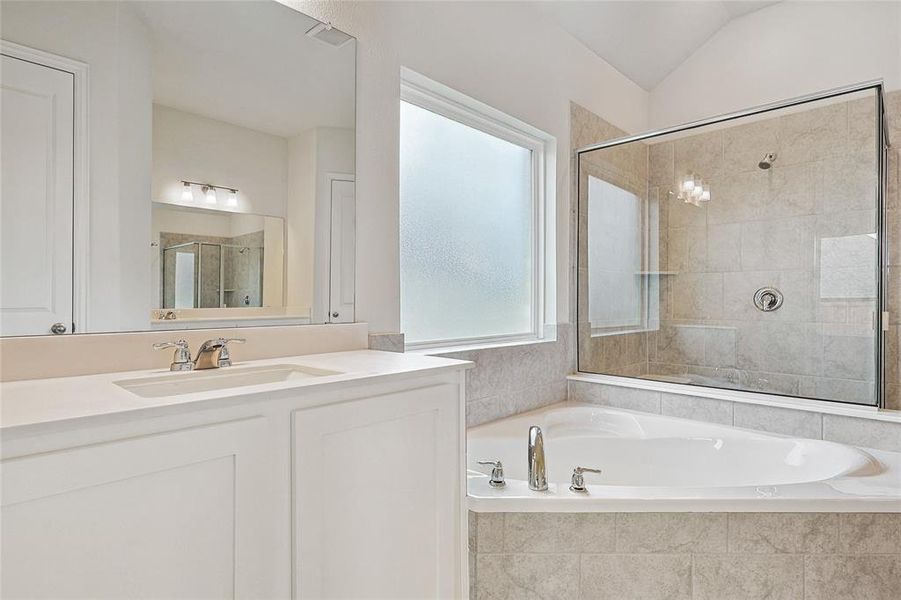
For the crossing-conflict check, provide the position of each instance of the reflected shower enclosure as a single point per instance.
(740, 252)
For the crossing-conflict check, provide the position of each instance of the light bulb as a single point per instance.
(210, 194)
(232, 199)
(187, 194)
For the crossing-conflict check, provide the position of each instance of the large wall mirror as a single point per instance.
(174, 165)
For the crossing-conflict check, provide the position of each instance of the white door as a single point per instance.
(36, 197)
(341, 253)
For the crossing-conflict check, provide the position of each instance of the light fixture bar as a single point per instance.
(210, 185)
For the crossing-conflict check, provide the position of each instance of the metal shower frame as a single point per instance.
(882, 146)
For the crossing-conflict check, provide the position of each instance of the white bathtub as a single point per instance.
(654, 462)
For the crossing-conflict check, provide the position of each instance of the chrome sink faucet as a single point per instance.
(181, 360)
(213, 354)
(537, 468)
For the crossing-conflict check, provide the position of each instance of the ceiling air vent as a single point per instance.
(324, 32)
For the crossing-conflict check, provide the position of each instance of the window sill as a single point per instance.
(440, 350)
(819, 406)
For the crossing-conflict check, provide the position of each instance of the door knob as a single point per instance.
(57, 329)
(335, 315)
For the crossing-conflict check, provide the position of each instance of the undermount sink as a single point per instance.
(177, 384)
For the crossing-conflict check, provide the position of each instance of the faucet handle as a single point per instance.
(578, 481)
(181, 360)
(497, 473)
(224, 357)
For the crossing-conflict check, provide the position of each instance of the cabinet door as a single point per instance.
(377, 497)
(173, 515)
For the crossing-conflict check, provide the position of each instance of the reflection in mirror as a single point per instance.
(233, 163)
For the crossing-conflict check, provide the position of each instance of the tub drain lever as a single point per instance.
(578, 481)
(497, 473)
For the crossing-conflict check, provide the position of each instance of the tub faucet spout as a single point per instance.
(537, 469)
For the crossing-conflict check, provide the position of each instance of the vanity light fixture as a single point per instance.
(209, 193)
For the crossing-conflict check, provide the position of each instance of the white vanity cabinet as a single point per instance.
(377, 495)
(172, 514)
(346, 491)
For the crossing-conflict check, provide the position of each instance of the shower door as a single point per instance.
(741, 253)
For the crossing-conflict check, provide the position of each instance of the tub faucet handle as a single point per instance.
(578, 481)
(497, 473)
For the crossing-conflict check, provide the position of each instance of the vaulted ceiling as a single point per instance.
(646, 40)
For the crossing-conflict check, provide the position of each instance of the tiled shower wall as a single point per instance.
(759, 229)
(771, 228)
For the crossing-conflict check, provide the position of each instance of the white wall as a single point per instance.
(301, 214)
(779, 52)
(312, 156)
(505, 55)
(195, 148)
(114, 43)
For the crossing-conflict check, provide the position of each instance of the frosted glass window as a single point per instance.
(614, 256)
(467, 231)
(184, 280)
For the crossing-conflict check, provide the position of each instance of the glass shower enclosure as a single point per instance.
(742, 252)
(203, 274)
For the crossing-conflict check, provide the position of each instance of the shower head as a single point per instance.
(767, 161)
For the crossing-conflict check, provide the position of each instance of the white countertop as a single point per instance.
(33, 403)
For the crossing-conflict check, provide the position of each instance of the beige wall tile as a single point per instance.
(784, 421)
(638, 576)
(783, 244)
(629, 398)
(783, 533)
(815, 134)
(870, 533)
(670, 533)
(488, 530)
(748, 577)
(698, 409)
(527, 576)
(843, 577)
(558, 532)
(862, 432)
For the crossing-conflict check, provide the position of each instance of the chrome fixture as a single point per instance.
(58, 328)
(767, 299)
(767, 161)
(209, 193)
(497, 473)
(181, 360)
(578, 481)
(537, 468)
(213, 354)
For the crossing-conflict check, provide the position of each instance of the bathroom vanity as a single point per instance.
(335, 475)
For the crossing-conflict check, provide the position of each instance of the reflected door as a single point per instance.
(341, 261)
(36, 195)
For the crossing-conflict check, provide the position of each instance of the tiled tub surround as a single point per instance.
(812, 419)
(710, 556)
(707, 327)
(515, 378)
